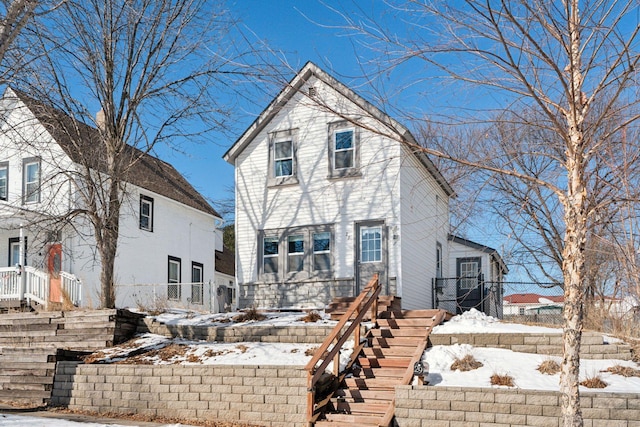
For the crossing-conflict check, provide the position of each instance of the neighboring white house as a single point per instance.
(327, 195)
(531, 303)
(168, 238)
(477, 274)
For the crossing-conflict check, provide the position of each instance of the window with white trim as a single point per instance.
(371, 244)
(146, 213)
(438, 260)
(31, 180)
(174, 278)
(4, 180)
(469, 272)
(344, 139)
(282, 157)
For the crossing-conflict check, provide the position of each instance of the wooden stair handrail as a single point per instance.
(367, 298)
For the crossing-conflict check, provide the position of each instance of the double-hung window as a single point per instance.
(344, 140)
(31, 180)
(322, 251)
(295, 253)
(146, 213)
(344, 154)
(4, 180)
(174, 279)
(270, 254)
(282, 157)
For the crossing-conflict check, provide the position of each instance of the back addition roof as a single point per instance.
(79, 142)
(226, 262)
(482, 248)
(310, 69)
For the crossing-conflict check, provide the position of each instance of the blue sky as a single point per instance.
(294, 30)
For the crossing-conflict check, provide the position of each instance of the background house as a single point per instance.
(166, 248)
(327, 195)
(477, 276)
(531, 303)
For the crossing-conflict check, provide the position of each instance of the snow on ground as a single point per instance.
(8, 420)
(521, 366)
(476, 322)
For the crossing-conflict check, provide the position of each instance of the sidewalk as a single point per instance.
(79, 418)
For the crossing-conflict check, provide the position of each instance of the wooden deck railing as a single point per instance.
(330, 349)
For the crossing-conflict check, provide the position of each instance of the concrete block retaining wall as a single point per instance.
(309, 334)
(419, 406)
(261, 395)
(592, 346)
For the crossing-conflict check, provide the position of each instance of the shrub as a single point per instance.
(249, 315)
(625, 371)
(549, 367)
(312, 316)
(594, 382)
(502, 379)
(467, 363)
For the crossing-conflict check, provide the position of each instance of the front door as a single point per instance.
(371, 253)
(469, 284)
(54, 265)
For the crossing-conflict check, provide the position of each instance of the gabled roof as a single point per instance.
(80, 142)
(482, 248)
(294, 86)
(226, 262)
(532, 299)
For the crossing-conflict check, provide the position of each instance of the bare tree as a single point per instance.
(559, 58)
(155, 69)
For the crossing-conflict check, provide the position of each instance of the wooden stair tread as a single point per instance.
(385, 342)
(363, 407)
(368, 395)
(385, 353)
(381, 372)
(398, 333)
(373, 362)
(351, 419)
(372, 383)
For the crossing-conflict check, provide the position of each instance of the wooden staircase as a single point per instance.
(338, 306)
(366, 395)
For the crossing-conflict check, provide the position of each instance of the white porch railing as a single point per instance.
(10, 284)
(72, 287)
(36, 286)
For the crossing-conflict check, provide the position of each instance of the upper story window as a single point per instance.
(146, 213)
(31, 180)
(344, 158)
(344, 154)
(4, 180)
(282, 157)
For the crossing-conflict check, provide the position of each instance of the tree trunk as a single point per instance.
(108, 246)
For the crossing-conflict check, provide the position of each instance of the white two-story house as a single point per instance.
(168, 236)
(329, 192)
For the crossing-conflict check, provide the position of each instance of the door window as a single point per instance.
(468, 274)
(371, 244)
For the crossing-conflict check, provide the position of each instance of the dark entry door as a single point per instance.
(469, 285)
(371, 253)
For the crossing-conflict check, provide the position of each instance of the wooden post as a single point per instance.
(336, 362)
(311, 399)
